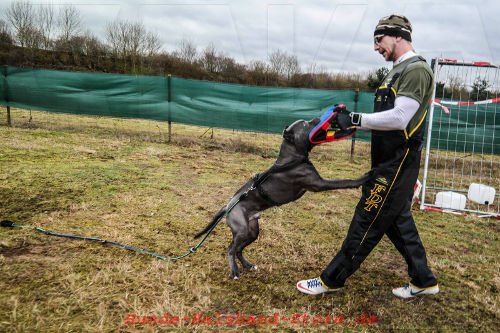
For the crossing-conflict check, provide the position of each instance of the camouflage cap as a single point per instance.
(394, 25)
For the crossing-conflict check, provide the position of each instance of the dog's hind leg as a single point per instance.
(252, 235)
(238, 223)
(235, 272)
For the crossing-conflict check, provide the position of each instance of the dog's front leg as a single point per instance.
(318, 184)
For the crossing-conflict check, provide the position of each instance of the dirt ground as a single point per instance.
(119, 180)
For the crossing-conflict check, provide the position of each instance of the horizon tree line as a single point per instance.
(49, 37)
(52, 36)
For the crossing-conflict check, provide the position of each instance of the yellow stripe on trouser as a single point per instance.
(382, 206)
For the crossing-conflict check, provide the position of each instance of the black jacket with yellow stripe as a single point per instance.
(412, 78)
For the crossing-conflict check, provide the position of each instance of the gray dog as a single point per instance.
(287, 180)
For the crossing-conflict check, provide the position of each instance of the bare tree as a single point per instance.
(258, 66)
(5, 36)
(88, 45)
(33, 26)
(258, 72)
(124, 37)
(283, 64)
(291, 66)
(93, 45)
(131, 42)
(186, 51)
(34, 38)
(113, 38)
(70, 22)
(314, 68)
(228, 67)
(119, 35)
(46, 22)
(20, 15)
(208, 59)
(457, 88)
(137, 38)
(277, 61)
(152, 44)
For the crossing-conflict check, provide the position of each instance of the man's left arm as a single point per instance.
(414, 85)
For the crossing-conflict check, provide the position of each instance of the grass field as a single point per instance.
(118, 180)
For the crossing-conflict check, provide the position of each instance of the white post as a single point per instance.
(429, 133)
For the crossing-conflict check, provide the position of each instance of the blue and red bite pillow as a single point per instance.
(327, 130)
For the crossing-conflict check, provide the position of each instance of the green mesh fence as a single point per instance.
(364, 104)
(88, 93)
(248, 107)
(467, 129)
(232, 106)
(3, 86)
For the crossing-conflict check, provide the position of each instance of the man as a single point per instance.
(397, 126)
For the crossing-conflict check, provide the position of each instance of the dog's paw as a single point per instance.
(253, 268)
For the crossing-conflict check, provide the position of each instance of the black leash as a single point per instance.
(258, 179)
(10, 224)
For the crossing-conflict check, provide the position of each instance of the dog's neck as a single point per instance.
(288, 153)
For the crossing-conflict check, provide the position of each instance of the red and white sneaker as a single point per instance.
(314, 287)
(410, 291)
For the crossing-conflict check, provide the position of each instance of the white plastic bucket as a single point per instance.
(450, 200)
(481, 194)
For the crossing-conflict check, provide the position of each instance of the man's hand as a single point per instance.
(344, 119)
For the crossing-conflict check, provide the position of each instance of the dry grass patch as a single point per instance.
(117, 179)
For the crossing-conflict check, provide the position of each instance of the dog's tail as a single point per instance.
(220, 214)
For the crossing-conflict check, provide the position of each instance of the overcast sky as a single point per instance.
(337, 35)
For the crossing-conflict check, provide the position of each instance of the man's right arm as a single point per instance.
(394, 119)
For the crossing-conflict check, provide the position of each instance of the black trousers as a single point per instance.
(384, 208)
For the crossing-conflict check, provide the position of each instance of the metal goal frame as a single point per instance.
(432, 154)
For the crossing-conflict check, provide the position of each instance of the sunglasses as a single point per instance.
(377, 39)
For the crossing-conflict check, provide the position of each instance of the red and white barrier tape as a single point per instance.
(440, 103)
(465, 63)
(455, 212)
(441, 210)
(459, 103)
(445, 109)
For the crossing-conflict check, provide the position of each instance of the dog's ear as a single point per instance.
(288, 134)
(315, 121)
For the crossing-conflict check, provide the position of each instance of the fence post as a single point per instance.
(169, 99)
(9, 121)
(353, 138)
